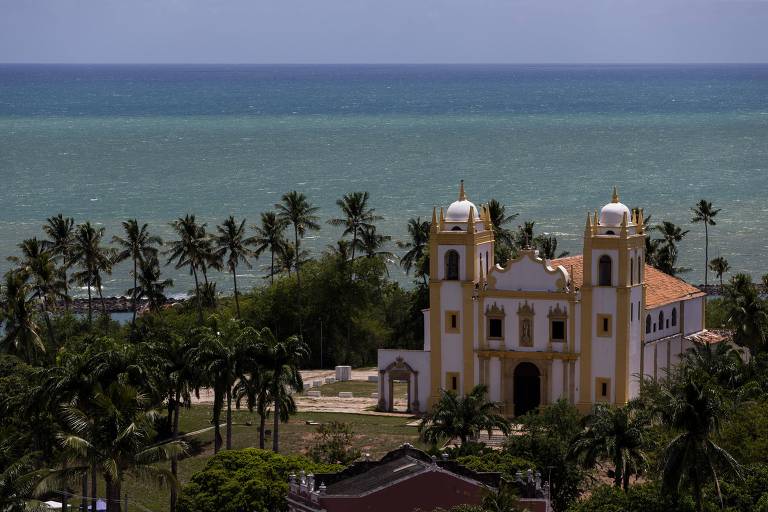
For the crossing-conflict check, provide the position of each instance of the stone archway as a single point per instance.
(526, 387)
(401, 371)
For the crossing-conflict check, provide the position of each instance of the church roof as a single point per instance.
(661, 288)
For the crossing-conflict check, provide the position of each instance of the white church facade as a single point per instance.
(582, 328)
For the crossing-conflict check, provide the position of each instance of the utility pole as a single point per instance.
(321, 343)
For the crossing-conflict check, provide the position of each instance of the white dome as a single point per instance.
(612, 214)
(459, 211)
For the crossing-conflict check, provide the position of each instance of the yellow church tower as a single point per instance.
(460, 255)
(612, 298)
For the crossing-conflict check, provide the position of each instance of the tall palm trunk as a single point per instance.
(133, 298)
(276, 424)
(237, 299)
(94, 476)
(229, 417)
(84, 491)
(262, 427)
(48, 324)
(197, 295)
(217, 419)
(706, 253)
(298, 277)
(354, 242)
(272, 267)
(174, 437)
(101, 298)
(90, 307)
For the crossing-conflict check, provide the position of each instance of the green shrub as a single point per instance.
(250, 479)
(502, 462)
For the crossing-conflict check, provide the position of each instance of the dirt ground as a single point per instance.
(357, 405)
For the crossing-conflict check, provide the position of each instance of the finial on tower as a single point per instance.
(615, 198)
(462, 195)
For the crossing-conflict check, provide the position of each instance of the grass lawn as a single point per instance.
(359, 388)
(373, 434)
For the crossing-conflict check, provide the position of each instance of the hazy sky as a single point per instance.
(373, 31)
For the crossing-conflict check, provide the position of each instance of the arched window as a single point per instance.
(661, 319)
(648, 324)
(452, 265)
(631, 271)
(605, 270)
(456, 228)
(674, 317)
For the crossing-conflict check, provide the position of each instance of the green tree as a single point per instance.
(93, 259)
(21, 334)
(22, 486)
(373, 244)
(666, 250)
(704, 212)
(60, 231)
(149, 284)
(617, 434)
(282, 358)
(296, 210)
(499, 221)
(747, 314)
(333, 444)
(190, 250)
(231, 244)
(695, 409)
(719, 266)
(119, 439)
(417, 254)
(357, 216)
(547, 246)
(269, 237)
(138, 245)
(464, 417)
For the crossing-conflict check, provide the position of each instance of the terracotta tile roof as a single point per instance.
(662, 288)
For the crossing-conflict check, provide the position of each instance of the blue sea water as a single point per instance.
(106, 143)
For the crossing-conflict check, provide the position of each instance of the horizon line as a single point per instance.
(545, 63)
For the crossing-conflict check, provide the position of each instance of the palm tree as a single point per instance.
(463, 417)
(189, 251)
(47, 280)
(666, 254)
(255, 390)
(21, 334)
(61, 235)
(294, 209)
(499, 220)
(719, 266)
(547, 246)
(418, 248)
(21, 486)
(617, 434)
(282, 358)
(138, 245)
(119, 439)
(722, 363)
(747, 313)
(269, 236)
(231, 243)
(93, 259)
(371, 243)
(149, 286)
(703, 212)
(225, 353)
(695, 410)
(357, 216)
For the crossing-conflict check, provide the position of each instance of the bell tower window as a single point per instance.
(605, 269)
(452, 265)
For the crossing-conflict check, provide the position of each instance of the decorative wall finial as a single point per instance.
(615, 198)
(462, 195)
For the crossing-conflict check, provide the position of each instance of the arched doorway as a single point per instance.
(527, 388)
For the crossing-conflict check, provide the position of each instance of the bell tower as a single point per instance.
(612, 299)
(460, 255)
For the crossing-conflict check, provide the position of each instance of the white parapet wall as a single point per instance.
(400, 360)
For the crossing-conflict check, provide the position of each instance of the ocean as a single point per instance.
(105, 143)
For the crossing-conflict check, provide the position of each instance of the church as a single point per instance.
(581, 328)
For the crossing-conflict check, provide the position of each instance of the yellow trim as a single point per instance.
(585, 362)
(599, 397)
(449, 384)
(448, 317)
(622, 325)
(459, 237)
(558, 315)
(532, 355)
(600, 331)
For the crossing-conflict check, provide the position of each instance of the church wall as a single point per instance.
(694, 319)
(635, 341)
(427, 343)
(604, 348)
(416, 359)
(556, 380)
(494, 378)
